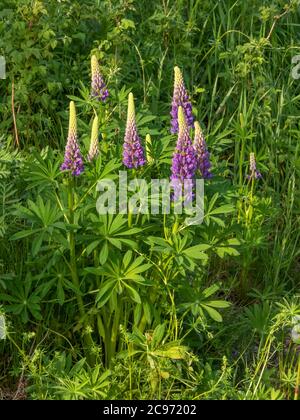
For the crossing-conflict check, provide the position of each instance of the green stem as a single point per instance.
(241, 162)
(87, 339)
(115, 330)
(129, 218)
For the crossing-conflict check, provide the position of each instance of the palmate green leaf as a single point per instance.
(211, 213)
(210, 290)
(130, 232)
(117, 243)
(97, 271)
(43, 171)
(147, 312)
(60, 225)
(103, 254)
(136, 278)
(137, 313)
(127, 259)
(202, 304)
(144, 120)
(137, 270)
(215, 315)
(37, 243)
(212, 203)
(221, 304)
(105, 293)
(102, 381)
(8, 298)
(197, 252)
(129, 242)
(160, 245)
(119, 274)
(24, 234)
(24, 213)
(155, 240)
(70, 286)
(218, 221)
(227, 208)
(60, 239)
(77, 367)
(114, 223)
(43, 215)
(16, 309)
(136, 267)
(44, 288)
(158, 335)
(112, 231)
(40, 210)
(114, 301)
(222, 251)
(92, 246)
(76, 99)
(134, 295)
(107, 270)
(110, 167)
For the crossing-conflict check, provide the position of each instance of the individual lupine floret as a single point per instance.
(133, 152)
(184, 162)
(73, 160)
(202, 153)
(180, 98)
(254, 173)
(99, 89)
(94, 145)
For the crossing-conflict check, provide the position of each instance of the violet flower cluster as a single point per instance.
(202, 153)
(254, 173)
(184, 162)
(73, 160)
(133, 152)
(180, 98)
(99, 89)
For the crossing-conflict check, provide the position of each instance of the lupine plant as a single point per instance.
(118, 267)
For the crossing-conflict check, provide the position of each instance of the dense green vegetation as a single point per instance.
(143, 306)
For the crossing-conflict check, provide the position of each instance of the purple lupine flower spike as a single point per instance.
(99, 89)
(94, 147)
(254, 173)
(202, 154)
(184, 162)
(180, 98)
(73, 159)
(133, 152)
